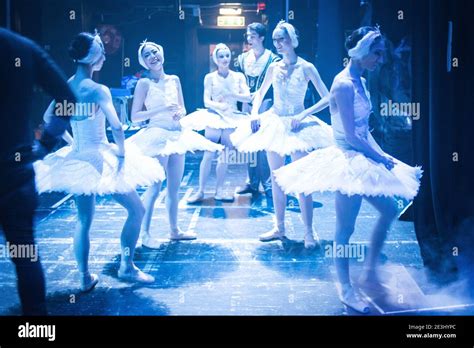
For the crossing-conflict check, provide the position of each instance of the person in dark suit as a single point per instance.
(23, 65)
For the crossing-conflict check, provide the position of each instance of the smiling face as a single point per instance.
(374, 58)
(152, 58)
(253, 39)
(223, 58)
(282, 41)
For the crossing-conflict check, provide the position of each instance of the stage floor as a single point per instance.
(226, 271)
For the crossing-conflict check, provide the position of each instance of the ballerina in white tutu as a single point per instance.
(223, 88)
(91, 166)
(159, 99)
(287, 128)
(356, 167)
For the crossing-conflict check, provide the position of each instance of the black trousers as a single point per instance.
(18, 201)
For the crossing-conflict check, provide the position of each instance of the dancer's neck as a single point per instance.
(290, 58)
(258, 51)
(84, 72)
(355, 69)
(224, 72)
(157, 75)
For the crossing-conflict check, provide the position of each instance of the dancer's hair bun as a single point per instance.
(356, 35)
(80, 46)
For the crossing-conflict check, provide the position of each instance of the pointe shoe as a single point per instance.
(89, 281)
(180, 235)
(309, 241)
(351, 299)
(135, 275)
(149, 242)
(371, 281)
(196, 198)
(220, 196)
(273, 234)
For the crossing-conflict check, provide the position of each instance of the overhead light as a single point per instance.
(230, 11)
(231, 21)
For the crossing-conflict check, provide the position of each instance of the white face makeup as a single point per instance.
(223, 58)
(152, 58)
(281, 41)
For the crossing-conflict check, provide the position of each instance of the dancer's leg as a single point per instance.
(175, 172)
(128, 239)
(306, 206)
(149, 199)
(388, 213)
(205, 167)
(347, 209)
(221, 168)
(85, 215)
(276, 161)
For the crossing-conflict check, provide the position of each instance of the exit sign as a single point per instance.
(231, 21)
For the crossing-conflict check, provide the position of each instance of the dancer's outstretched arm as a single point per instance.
(104, 100)
(344, 94)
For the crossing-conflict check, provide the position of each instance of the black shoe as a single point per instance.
(247, 189)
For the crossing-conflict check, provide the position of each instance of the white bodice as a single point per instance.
(219, 86)
(161, 94)
(362, 109)
(89, 133)
(289, 91)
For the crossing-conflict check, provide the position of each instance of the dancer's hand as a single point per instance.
(255, 125)
(388, 162)
(179, 114)
(173, 108)
(295, 123)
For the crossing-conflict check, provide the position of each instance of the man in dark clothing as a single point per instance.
(23, 65)
(254, 64)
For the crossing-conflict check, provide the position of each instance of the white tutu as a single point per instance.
(275, 135)
(155, 141)
(96, 170)
(202, 118)
(349, 172)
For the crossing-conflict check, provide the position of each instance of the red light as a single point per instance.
(261, 6)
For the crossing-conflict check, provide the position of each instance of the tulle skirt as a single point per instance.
(275, 134)
(155, 141)
(203, 118)
(348, 172)
(96, 170)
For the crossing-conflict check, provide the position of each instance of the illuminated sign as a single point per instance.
(230, 11)
(231, 21)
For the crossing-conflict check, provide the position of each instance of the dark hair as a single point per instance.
(80, 45)
(351, 40)
(259, 28)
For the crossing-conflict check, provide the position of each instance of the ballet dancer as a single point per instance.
(287, 128)
(18, 197)
(254, 65)
(223, 88)
(355, 168)
(159, 99)
(91, 166)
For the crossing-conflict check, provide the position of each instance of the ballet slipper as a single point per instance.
(220, 196)
(351, 299)
(195, 198)
(180, 235)
(274, 234)
(135, 275)
(88, 281)
(149, 242)
(309, 241)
